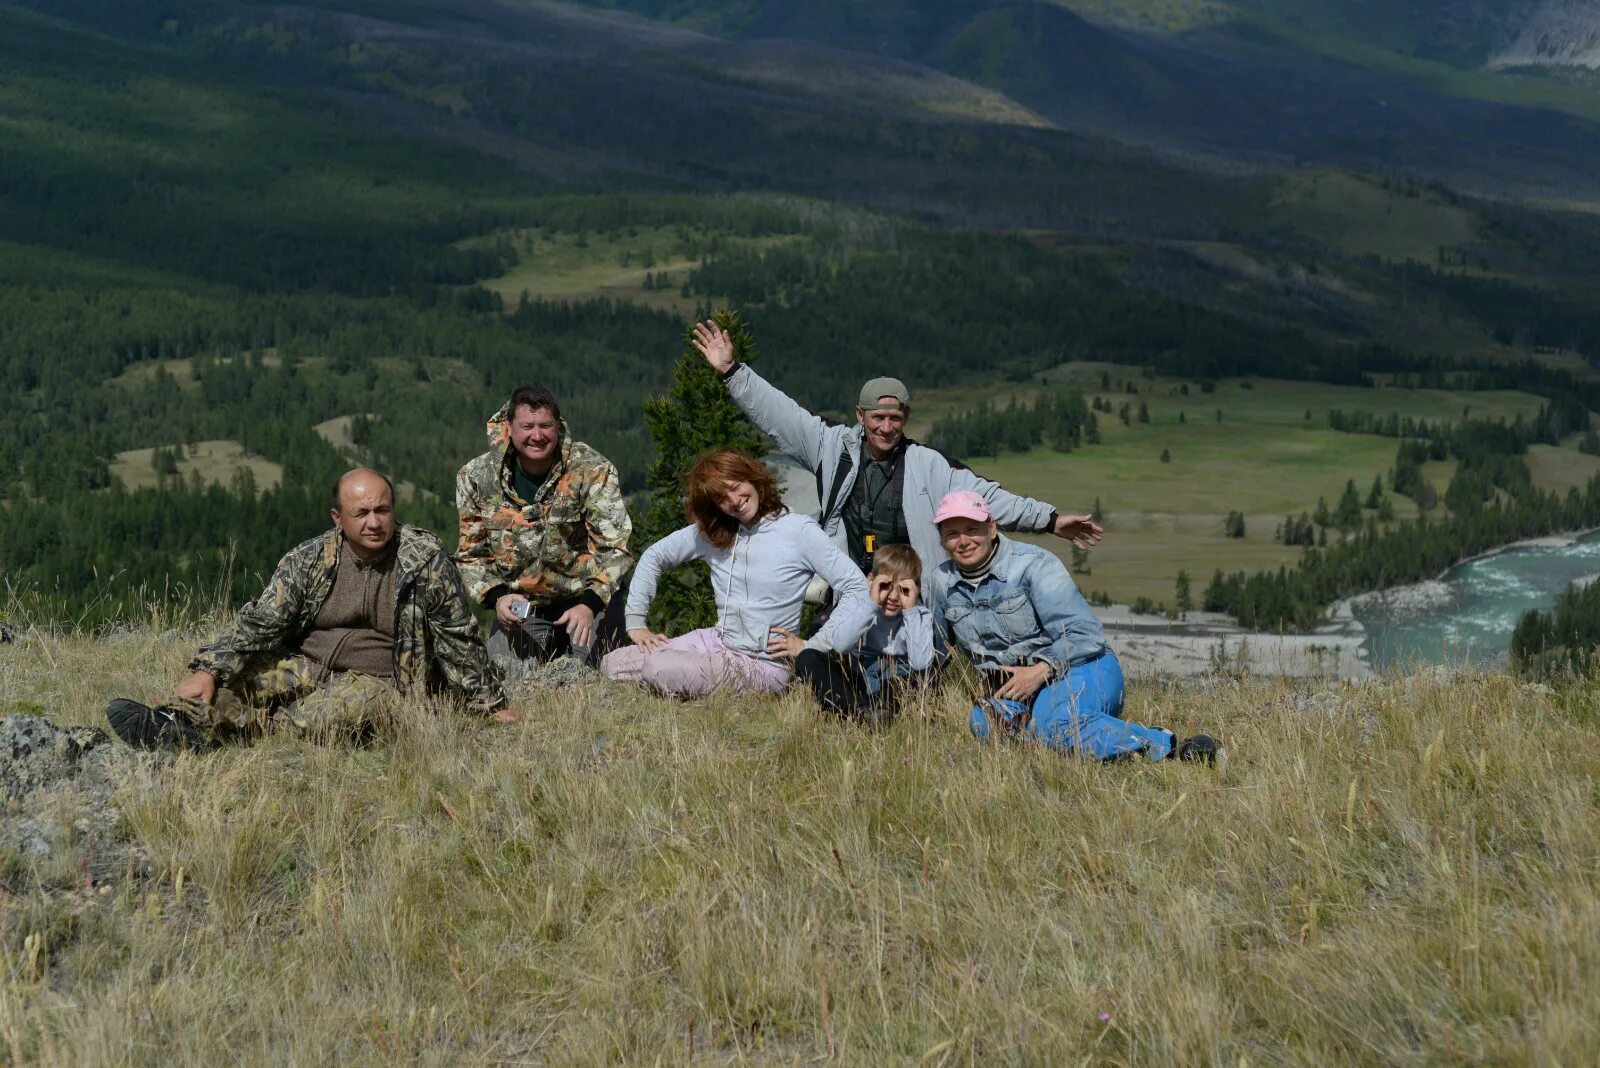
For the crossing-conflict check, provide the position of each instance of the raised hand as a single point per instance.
(715, 345)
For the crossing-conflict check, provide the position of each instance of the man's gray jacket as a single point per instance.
(832, 453)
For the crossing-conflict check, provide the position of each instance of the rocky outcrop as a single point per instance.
(35, 752)
(1559, 33)
(56, 793)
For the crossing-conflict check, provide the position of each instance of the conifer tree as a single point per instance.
(694, 415)
(1347, 514)
(1184, 597)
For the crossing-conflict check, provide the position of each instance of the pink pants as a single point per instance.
(693, 664)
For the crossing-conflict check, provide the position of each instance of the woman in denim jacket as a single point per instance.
(1014, 610)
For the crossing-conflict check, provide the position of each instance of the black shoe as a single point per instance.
(144, 727)
(1198, 747)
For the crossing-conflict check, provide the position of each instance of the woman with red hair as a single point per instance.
(762, 557)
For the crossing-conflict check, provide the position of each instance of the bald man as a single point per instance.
(352, 620)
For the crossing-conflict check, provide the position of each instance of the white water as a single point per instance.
(1471, 618)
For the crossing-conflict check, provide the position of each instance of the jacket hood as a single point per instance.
(497, 430)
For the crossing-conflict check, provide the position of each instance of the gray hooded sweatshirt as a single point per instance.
(832, 453)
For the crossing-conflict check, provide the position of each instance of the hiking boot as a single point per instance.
(162, 727)
(1198, 747)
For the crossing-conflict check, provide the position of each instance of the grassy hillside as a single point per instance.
(1398, 873)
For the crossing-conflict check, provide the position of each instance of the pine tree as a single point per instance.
(1166, 456)
(694, 415)
(1375, 495)
(1184, 597)
(1080, 560)
(1144, 412)
(1347, 515)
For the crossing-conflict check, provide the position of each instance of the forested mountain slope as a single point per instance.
(1363, 84)
(234, 224)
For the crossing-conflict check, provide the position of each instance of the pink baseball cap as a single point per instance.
(964, 504)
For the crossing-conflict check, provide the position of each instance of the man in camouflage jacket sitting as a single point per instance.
(544, 536)
(351, 620)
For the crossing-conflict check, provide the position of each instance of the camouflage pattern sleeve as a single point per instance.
(606, 517)
(457, 648)
(265, 624)
(474, 549)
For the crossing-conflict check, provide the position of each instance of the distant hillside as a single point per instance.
(1560, 33)
(1364, 84)
(1219, 92)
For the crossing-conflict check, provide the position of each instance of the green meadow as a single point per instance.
(646, 265)
(1271, 454)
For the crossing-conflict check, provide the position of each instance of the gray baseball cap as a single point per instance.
(884, 387)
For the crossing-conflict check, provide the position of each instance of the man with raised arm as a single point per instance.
(876, 486)
(351, 620)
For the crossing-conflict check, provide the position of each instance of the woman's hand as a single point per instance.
(647, 639)
(1024, 682)
(784, 644)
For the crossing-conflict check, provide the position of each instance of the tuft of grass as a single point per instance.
(1400, 872)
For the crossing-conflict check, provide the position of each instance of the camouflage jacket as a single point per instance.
(569, 543)
(436, 642)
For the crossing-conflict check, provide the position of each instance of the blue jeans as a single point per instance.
(1079, 713)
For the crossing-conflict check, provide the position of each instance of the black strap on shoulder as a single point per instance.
(845, 462)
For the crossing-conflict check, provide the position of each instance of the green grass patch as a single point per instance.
(1265, 458)
(643, 264)
(1357, 214)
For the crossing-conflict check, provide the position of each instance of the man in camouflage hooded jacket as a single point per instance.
(544, 535)
(351, 620)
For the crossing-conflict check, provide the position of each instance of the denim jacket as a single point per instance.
(1027, 610)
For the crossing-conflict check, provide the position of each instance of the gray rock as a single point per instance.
(34, 752)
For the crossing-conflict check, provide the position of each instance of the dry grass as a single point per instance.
(215, 462)
(1396, 874)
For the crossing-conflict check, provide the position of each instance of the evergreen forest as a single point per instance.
(343, 232)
